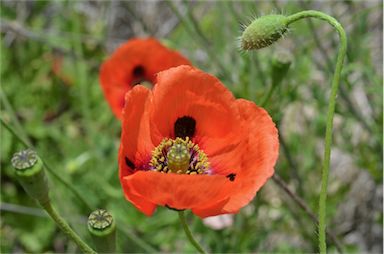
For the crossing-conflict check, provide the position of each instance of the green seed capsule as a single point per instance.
(263, 32)
(30, 173)
(102, 227)
(178, 158)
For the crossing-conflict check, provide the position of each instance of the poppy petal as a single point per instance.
(178, 191)
(211, 210)
(135, 61)
(143, 205)
(136, 143)
(181, 88)
(259, 159)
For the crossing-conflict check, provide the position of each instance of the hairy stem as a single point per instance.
(330, 114)
(189, 234)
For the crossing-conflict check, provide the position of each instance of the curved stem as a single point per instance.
(330, 114)
(66, 228)
(189, 234)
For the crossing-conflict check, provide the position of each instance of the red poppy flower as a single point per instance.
(189, 144)
(136, 61)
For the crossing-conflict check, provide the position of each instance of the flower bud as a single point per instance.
(263, 32)
(102, 227)
(30, 173)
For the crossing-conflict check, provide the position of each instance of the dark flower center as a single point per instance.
(139, 77)
(184, 127)
(138, 72)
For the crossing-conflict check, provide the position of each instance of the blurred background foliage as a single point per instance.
(50, 95)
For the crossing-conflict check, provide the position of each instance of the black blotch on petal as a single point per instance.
(129, 163)
(231, 177)
(185, 127)
(138, 72)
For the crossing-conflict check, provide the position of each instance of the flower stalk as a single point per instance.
(331, 111)
(281, 26)
(188, 232)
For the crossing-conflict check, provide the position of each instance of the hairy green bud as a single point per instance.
(264, 31)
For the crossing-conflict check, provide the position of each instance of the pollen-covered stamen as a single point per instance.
(180, 156)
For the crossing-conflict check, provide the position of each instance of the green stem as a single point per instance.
(331, 111)
(13, 132)
(13, 117)
(66, 228)
(328, 67)
(189, 234)
(82, 82)
(269, 94)
(259, 69)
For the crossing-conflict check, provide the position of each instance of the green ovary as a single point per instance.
(178, 158)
